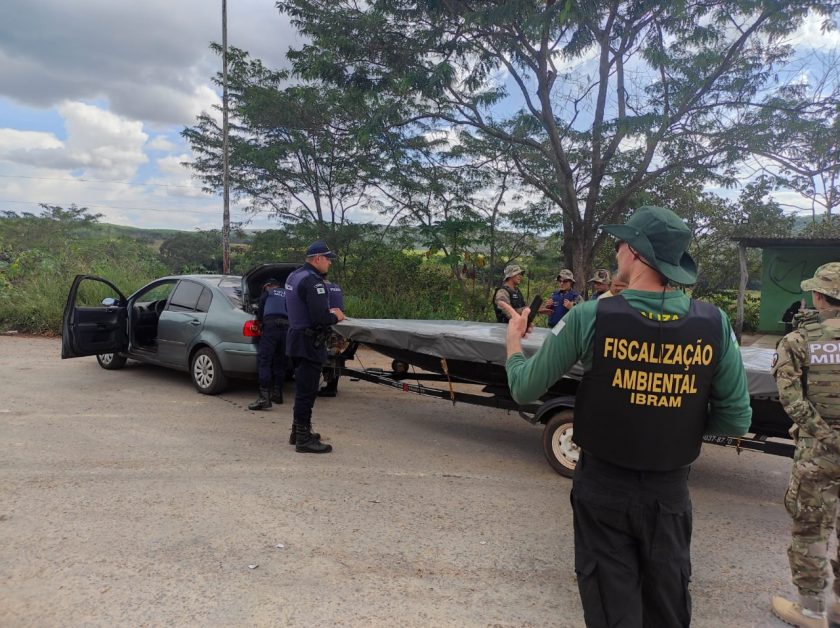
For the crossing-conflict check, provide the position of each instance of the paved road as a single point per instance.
(126, 498)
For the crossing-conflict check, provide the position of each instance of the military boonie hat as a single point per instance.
(512, 270)
(661, 238)
(602, 275)
(565, 274)
(826, 280)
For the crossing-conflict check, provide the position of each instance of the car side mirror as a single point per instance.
(109, 301)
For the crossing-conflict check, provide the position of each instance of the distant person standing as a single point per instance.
(563, 299)
(807, 372)
(310, 318)
(600, 283)
(509, 293)
(271, 350)
(617, 285)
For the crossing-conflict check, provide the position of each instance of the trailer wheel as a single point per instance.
(561, 452)
(399, 368)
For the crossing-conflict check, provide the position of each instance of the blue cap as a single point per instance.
(319, 247)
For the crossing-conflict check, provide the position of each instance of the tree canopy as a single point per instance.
(591, 102)
(298, 152)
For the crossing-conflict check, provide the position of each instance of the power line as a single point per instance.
(76, 180)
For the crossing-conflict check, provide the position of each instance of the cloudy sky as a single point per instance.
(94, 95)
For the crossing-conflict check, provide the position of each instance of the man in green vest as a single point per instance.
(807, 372)
(660, 371)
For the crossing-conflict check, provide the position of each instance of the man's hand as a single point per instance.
(518, 328)
(338, 313)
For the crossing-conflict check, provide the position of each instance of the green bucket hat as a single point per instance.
(661, 237)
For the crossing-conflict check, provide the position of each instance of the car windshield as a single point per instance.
(231, 287)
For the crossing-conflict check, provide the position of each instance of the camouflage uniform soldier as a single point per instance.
(807, 372)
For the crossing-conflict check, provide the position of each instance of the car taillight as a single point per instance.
(251, 329)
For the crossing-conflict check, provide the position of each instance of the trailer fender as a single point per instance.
(552, 407)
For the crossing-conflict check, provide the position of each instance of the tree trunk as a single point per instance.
(581, 252)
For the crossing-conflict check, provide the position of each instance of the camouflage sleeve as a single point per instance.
(787, 369)
(502, 295)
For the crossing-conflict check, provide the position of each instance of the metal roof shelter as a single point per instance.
(785, 263)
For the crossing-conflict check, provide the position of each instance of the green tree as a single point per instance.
(592, 101)
(798, 139)
(715, 221)
(24, 231)
(193, 252)
(40, 254)
(297, 152)
(826, 226)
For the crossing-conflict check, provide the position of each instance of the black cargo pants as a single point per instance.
(632, 545)
(307, 379)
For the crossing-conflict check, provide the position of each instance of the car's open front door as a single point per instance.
(94, 319)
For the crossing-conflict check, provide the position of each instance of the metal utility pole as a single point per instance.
(225, 164)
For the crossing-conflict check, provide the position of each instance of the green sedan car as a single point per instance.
(202, 324)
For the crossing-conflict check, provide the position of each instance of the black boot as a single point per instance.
(307, 443)
(263, 402)
(293, 435)
(330, 390)
(277, 394)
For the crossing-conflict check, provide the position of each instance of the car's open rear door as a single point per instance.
(94, 319)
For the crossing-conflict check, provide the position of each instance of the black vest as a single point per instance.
(643, 405)
(516, 301)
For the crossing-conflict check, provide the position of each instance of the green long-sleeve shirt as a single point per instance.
(572, 339)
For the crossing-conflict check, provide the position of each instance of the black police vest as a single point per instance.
(296, 307)
(275, 304)
(643, 405)
(516, 301)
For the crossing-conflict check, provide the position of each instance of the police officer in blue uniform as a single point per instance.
(310, 318)
(271, 352)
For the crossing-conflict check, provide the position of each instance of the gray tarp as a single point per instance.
(485, 342)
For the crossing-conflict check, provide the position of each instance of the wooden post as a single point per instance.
(742, 288)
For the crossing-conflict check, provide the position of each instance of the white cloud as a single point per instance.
(811, 35)
(14, 142)
(149, 60)
(176, 179)
(160, 143)
(98, 142)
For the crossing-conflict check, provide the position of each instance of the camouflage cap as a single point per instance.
(513, 270)
(825, 280)
(565, 274)
(602, 275)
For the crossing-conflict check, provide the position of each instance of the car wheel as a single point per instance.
(111, 361)
(207, 373)
(561, 452)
